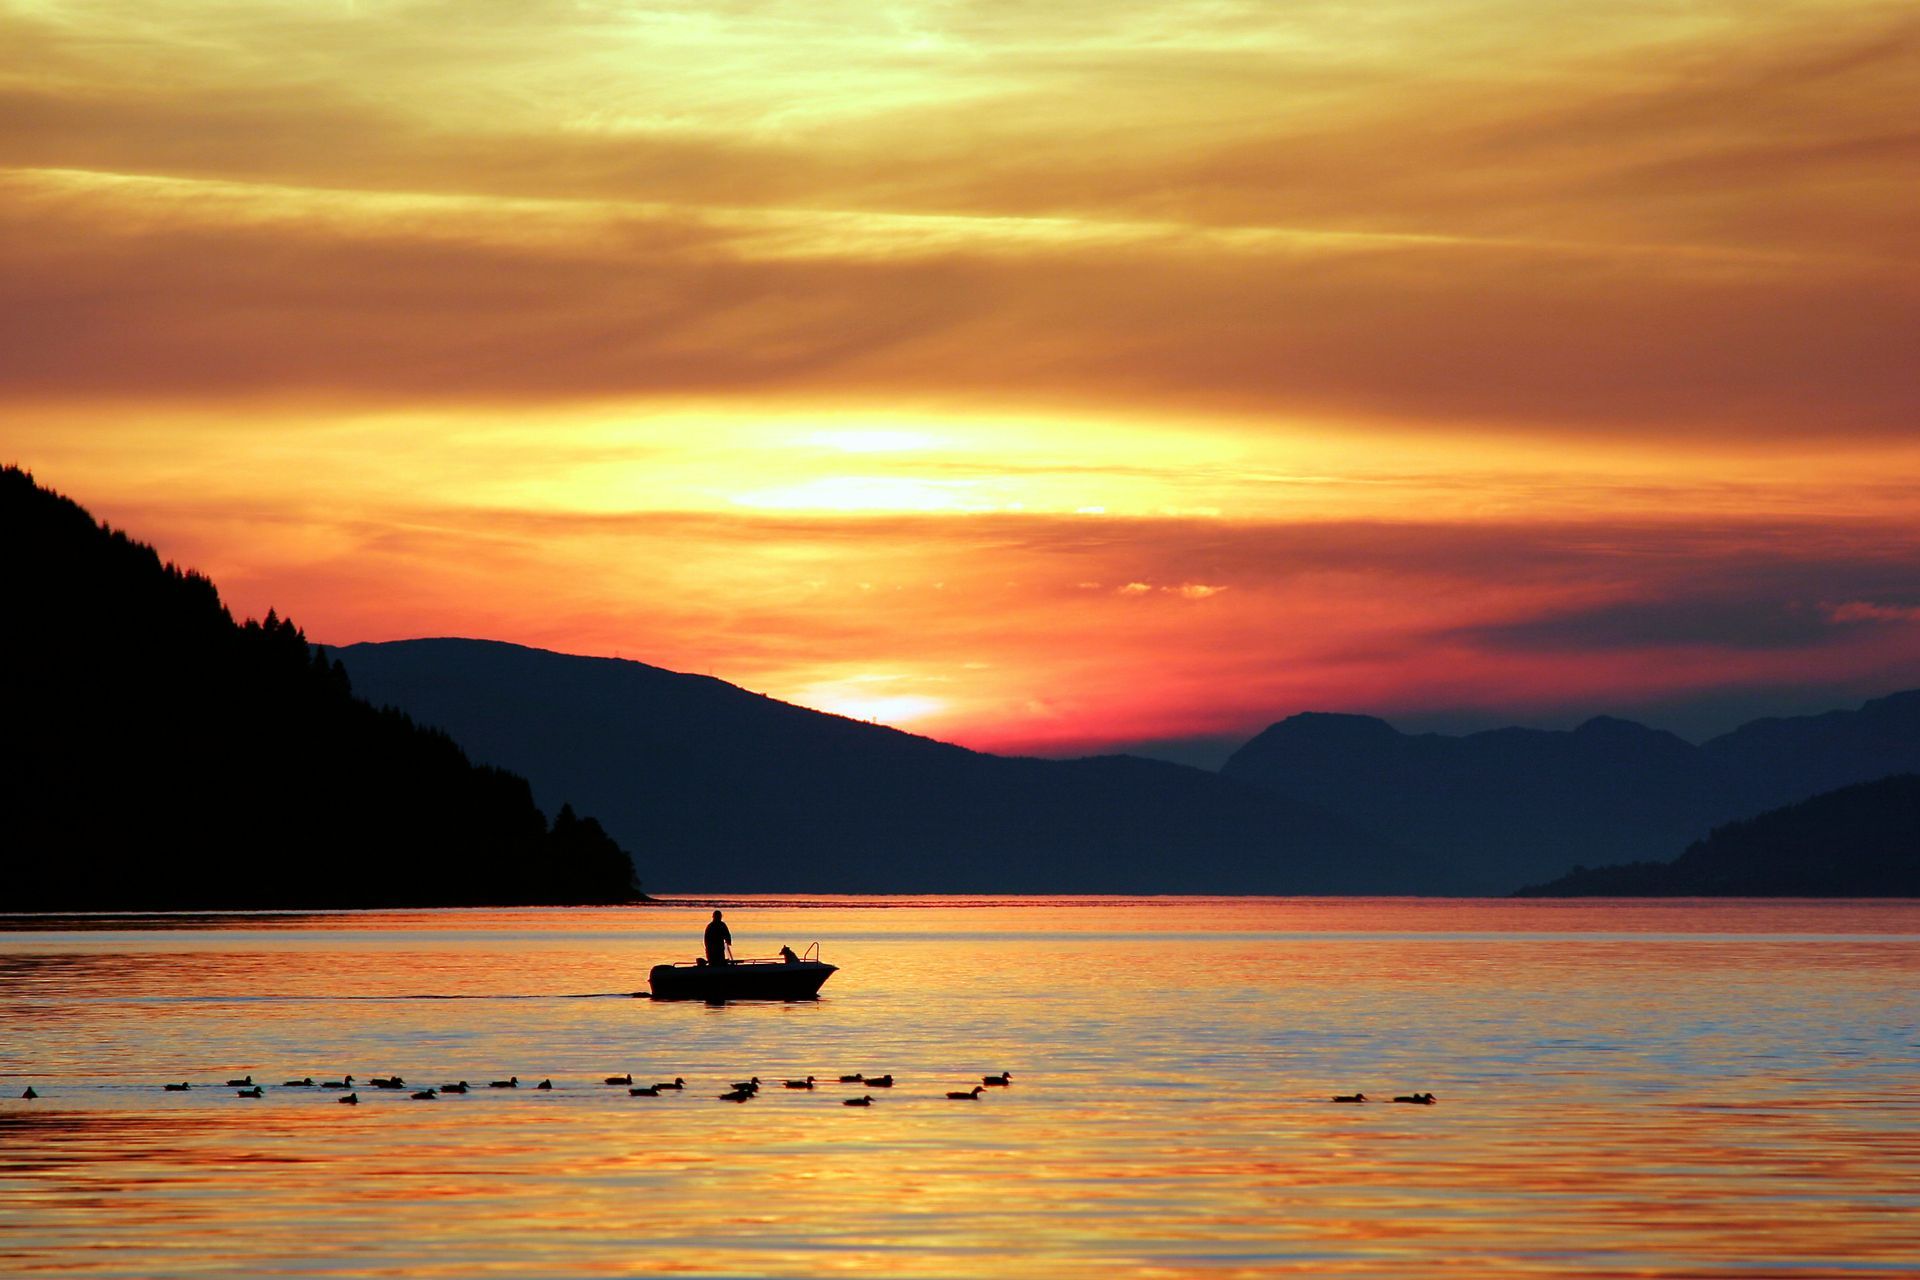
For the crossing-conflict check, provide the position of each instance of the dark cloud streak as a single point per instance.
(421, 307)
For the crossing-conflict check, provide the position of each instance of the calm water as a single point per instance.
(1625, 1090)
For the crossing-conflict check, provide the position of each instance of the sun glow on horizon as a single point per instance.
(875, 698)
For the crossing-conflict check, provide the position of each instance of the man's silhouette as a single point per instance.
(718, 940)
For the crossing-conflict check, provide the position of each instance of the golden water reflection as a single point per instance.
(1626, 1089)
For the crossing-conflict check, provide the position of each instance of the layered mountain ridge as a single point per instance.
(1508, 807)
(1853, 842)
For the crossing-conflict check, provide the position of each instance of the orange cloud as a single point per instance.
(1045, 376)
(295, 292)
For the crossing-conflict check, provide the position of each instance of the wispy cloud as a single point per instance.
(1507, 216)
(1413, 356)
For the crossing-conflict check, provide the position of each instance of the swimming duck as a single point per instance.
(511, 1082)
(297, 1084)
(1349, 1097)
(625, 1079)
(544, 1084)
(800, 1084)
(462, 1087)
(1418, 1099)
(879, 1082)
(30, 1095)
(246, 1083)
(970, 1094)
(647, 1091)
(182, 1087)
(855, 1078)
(338, 1084)
(255, 1092)
(677, 1083)
(751, 1086)
(866, 1101)
(426, 1095)
(1005, 1077)
(350, 1100)
(386, 1082)
(738, 1095)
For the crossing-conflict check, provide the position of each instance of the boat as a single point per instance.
(775, 978)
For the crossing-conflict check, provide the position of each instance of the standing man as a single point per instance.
(718, 940)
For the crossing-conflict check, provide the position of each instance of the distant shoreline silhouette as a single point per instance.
(1861, 841)
(732, 792)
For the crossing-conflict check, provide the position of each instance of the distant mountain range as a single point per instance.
(722, 790)
(161, 755)
(1511, 807)
(1859, 841)
(716, 789)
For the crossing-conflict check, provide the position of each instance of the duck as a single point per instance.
(255, 1092)
(738, 1095)
(544, 1084)
(297, 1084)
(349, 1100)
(675, 1083)
(644, 1091)
(865, 1101)
(387, 1082)
(511, 1082)
(1418, 1099)
(1004, 1078)
(462, 1087)
(855, 1078)
(30, 1094)
(626, 1079)
(245, 1083)
(1349, 1097)
(182, 1087)
(426, 1095)
(879, 1082)
(800, 1084)
(751, 1086)
(337, 1084)
(970, 1095)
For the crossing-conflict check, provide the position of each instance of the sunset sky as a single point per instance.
(1046, 377)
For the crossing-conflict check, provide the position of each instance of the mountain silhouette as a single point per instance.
(1856, 842)
(1778, 760)
(721, 790)
(1514, 806)
(162, 756)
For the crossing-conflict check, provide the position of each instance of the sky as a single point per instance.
(1047, 377)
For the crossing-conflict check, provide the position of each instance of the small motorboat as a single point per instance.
(779, 978)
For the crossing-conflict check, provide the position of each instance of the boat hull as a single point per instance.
(749, 980)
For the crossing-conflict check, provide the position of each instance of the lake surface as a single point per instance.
(1625, 1089)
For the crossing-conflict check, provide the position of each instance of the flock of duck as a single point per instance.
(747, 1090)
(740, 1091)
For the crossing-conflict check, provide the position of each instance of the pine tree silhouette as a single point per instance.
(162, 756)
